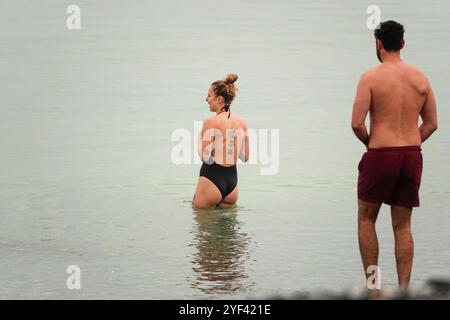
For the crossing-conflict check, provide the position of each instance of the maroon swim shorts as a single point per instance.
(391, 175)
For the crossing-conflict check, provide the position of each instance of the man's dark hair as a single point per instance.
(390, 33)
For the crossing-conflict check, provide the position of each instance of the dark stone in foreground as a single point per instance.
(435, 289)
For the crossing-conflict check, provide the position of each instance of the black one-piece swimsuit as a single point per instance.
(224, 178)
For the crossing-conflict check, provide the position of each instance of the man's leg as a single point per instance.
(404, 245)
(367, 236)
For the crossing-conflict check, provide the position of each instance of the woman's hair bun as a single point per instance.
(231, 78)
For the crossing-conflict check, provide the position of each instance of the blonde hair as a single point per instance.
(226, 88)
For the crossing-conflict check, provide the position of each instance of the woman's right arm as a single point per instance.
(245, 147)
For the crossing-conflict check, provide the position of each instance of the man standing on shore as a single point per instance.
(394, 94)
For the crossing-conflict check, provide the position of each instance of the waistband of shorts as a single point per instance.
(402, 148)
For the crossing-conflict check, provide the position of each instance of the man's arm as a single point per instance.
(429, 116)
(361, 107)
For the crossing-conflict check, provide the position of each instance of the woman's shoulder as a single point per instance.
(240, 120)
(210, 119)
(215, 121)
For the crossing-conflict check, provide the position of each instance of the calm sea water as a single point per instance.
(85, 139)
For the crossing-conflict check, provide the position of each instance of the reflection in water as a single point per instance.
(222, 252)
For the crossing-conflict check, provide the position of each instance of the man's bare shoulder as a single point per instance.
(417, 73)
(369, 75)
(414, 69)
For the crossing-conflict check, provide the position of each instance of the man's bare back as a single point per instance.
(394, 94)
